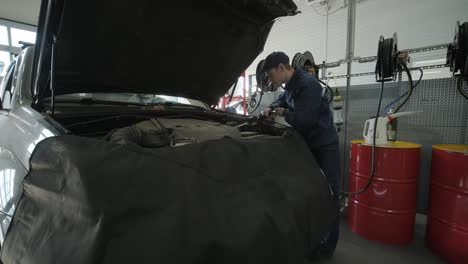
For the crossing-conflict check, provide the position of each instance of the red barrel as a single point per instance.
(447, 221)
(386, 211)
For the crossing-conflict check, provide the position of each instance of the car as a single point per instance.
(110, 151)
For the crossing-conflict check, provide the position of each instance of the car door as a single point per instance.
(12, 171)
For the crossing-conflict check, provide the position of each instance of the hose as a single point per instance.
(460, 87)
(405, 93)
(329, 89)
(421, 72)
(232, 92)
(410, 92)
(387, 62)
(257, 104)
(373, 148)
(252, 100)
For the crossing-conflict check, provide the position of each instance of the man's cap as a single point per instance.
(275, 59)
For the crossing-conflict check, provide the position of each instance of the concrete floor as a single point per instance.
(355, 249)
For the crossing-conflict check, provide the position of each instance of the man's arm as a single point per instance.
(280, 102)
(306, 107)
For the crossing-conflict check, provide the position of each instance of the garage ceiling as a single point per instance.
(25, 11)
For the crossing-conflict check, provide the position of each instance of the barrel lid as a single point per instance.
(460, 148)
(393, 144)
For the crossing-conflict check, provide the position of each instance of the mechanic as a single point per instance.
(305, 107)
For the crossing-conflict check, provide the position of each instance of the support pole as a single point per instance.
(349, 56)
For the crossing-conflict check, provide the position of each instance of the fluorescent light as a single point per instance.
(432, 72)
(311, 2)
(429, 61)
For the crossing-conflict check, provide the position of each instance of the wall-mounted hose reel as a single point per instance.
(263, 83)
(305, 61)
(387, 65)
(262, 78)
(457, 57)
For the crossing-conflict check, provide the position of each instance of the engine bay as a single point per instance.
(154, 133)
(157, 131)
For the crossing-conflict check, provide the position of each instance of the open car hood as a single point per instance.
(194, 49)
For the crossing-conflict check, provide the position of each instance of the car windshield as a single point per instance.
(132, 98)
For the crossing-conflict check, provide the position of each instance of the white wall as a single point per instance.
(26, 11)
(307, 31)
(417, 23)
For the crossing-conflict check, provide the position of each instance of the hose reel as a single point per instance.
(457, 57)
(387, 65)
(295, 60)
(304, 61)
(263, 83)
(261, 76)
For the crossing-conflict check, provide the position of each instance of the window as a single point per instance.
(18, 35)
(5, 88)
(4, 62)
(11, 33)
(3, 36)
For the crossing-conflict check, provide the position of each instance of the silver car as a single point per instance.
(110, 151)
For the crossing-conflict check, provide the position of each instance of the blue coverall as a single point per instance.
(308, 111)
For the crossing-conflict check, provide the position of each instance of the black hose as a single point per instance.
(386, 63)
(411, 87)
(373, 147)
(405, 93)
(257, 104)
(232, 92)
(460, 87)
(329, 89)
(420, 78)
(253, 101)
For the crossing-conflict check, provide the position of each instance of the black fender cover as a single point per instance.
(258, 200)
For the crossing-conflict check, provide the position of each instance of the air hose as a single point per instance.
(263, 83)
(232, 92)
(463, 91)
(386, 109)
(373, 148)
(253, 102)
(411, 87)
(385, 70)
(330, 90)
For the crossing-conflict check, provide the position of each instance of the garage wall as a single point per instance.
(307, 31)
(418, 23)
(24, 11)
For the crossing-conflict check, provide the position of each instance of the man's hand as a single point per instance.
(279, 111)
(267, 112)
